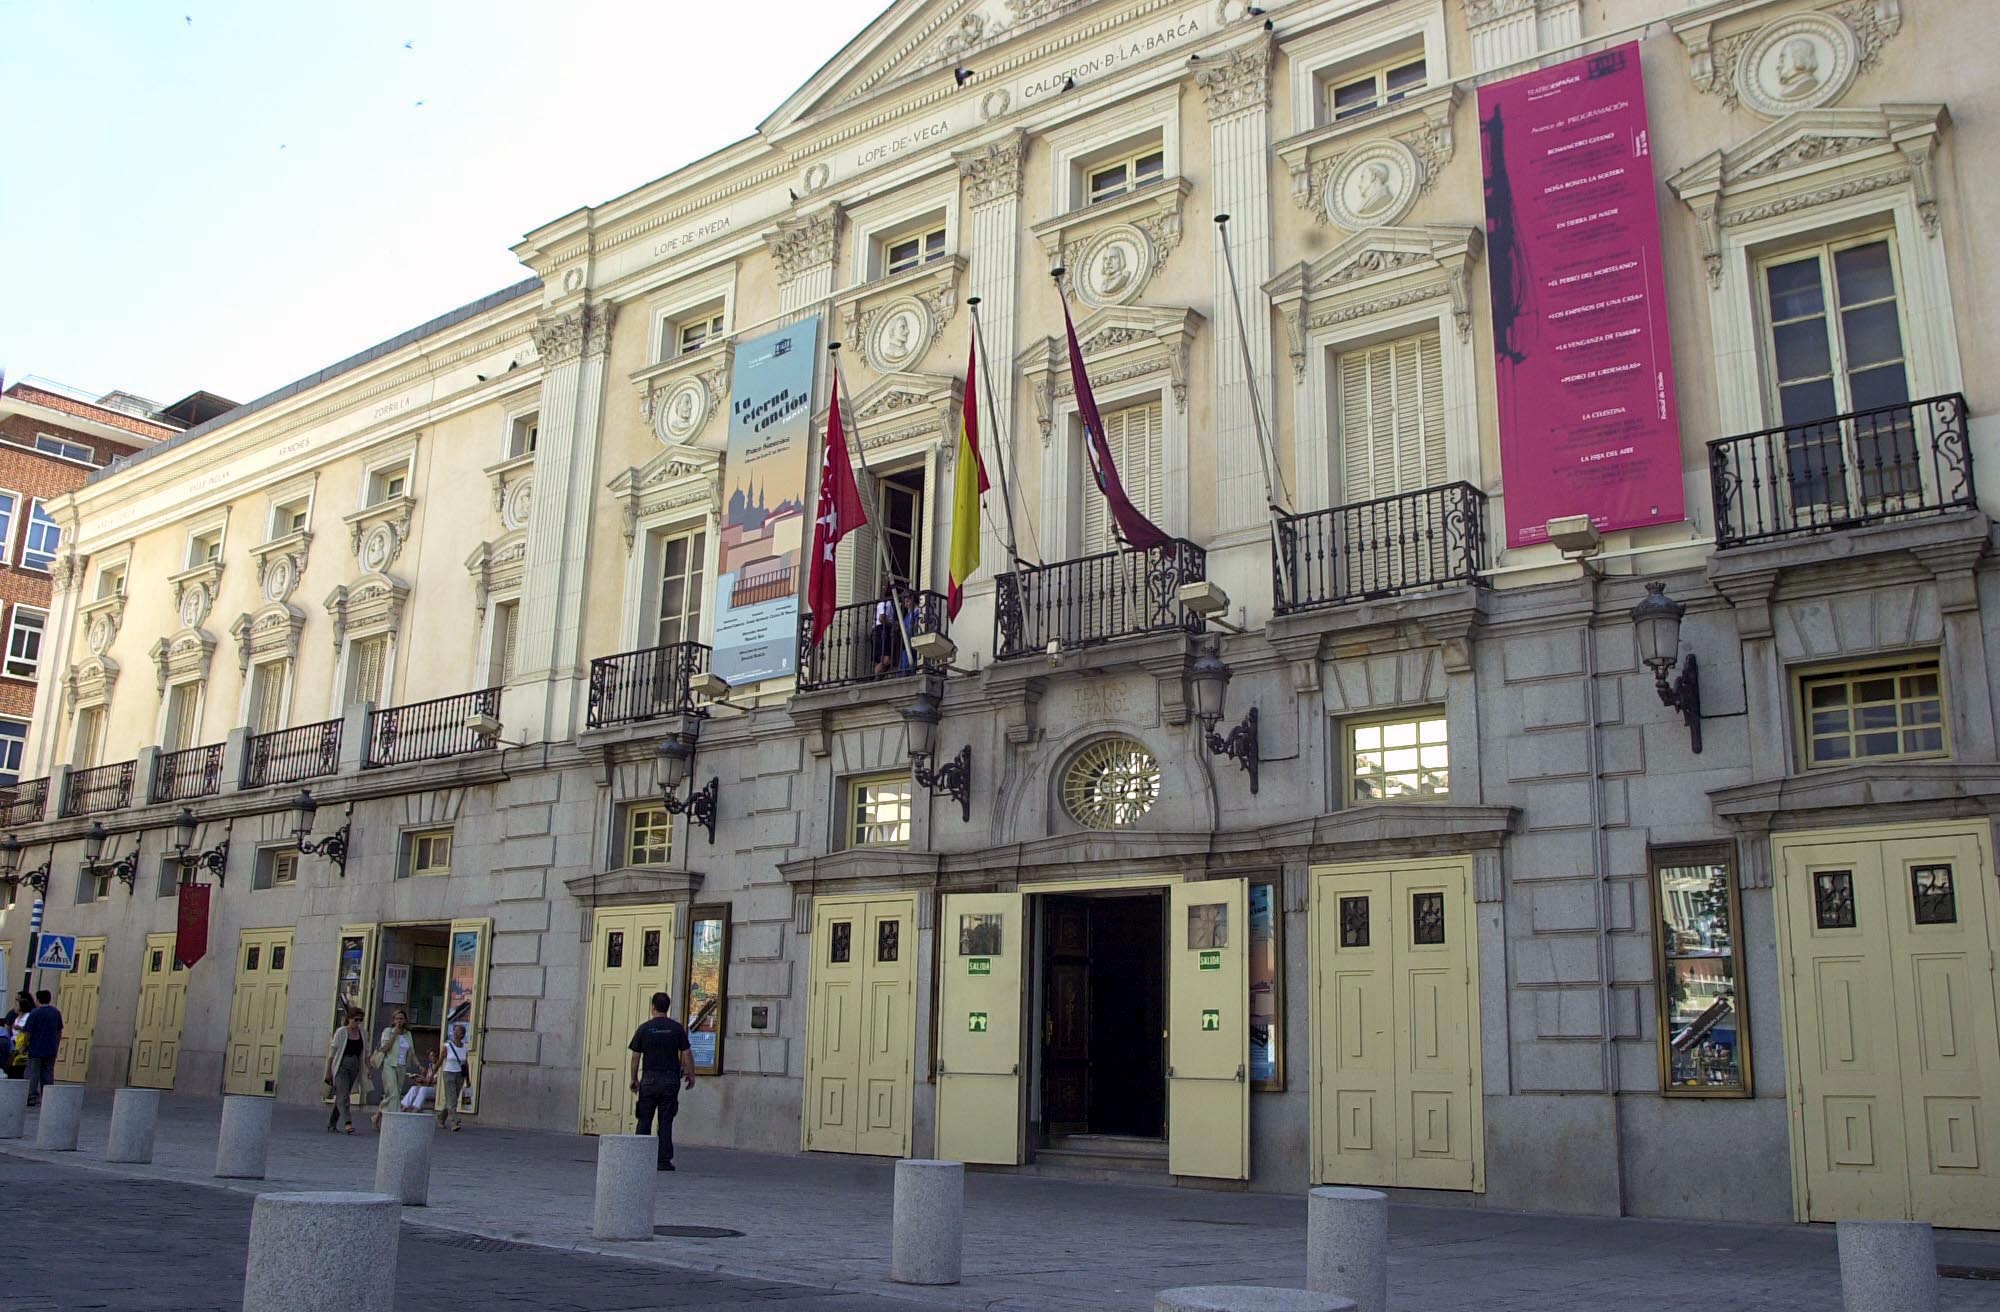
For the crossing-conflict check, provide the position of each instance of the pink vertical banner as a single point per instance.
(1584, 365)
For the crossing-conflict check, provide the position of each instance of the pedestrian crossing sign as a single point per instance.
(57, 952)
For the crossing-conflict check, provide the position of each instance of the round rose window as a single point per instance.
(1111, 784)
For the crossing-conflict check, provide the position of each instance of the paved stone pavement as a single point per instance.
(1034, 1243)
(159, 1246)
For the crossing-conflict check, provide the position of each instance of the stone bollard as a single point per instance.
(13, 1108)
(135, 1115)
(245, 1145)
(403, 1158)
(62, 1115)
(309, 1252)
(928, 1242)
(1347, 1245)
(1887, 1266)
(1248, 1298)
(628, 1178)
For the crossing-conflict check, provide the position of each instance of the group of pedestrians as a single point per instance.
(34, 1028)
(405, 1083)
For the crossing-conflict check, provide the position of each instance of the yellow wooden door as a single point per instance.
(1396, 1097)
(257, 1011)
(861, 1026)
(156, 1035)
(1208, 1030)
(77, 1001)
(632, 958)
(1894, 1051)
(979, 1028)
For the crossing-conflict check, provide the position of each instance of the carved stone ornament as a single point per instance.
(1113, 267)
(899, 334)
(1799, 62)
(814, 177)
(496, 567)
(993, 171)
(799, 245)
(1479, 13)
(1373, 273)
(271, 631)
(102, 618)
(520, 503)
(682, 410)
(281, 563)
(583, 331)
(368, 607)
(1239, 80)
(183, 658)
(194, 604)
(897, 320)
(279, 578)
(994, 104)
(100, 634)
(377, 533)
(679, 479)
(1373, 186)
(1119, 343)
(380, 545)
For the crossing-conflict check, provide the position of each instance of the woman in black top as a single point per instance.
(343, 1068)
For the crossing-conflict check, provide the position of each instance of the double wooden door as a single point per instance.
(257, 1011)
(156, 1036)
(861, 1029)
(77, 1000)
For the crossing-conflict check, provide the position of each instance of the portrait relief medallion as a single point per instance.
(901, 334)
(279, 578)
(1799, 62)
(682, 411)
(1374, 186)
(99, 636)
(194, 605)
(520, 502)
(378, 548)
(1114, 267)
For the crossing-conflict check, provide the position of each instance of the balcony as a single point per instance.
(648, 684)
(430, 731)
(1895, 462)
(1096, 599)
(24, 803)
(100, 788)
(1410, 542)
(850, 652)
(186, 775)
(287, 756)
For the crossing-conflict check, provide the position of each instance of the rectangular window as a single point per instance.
(388, 483)
(13, 741)
(1402, 760)
(879, 811)
(1704, 1039)
(649, 834)
(523, 434)
(291, 517)
(181, 727)
(50, 444)
(902, 500)
(1878, 713)
(692, 330)
(92, 885)
(506, 629)
(8, 503)
(908, 252)
(38, 551)
(89, 727)
(1125, 173)
(683, 559)
(429, 852)
(1391, 408)
(277, 867)
(204, 548)
(24, 642)
(170, 878)
(1352, 94)
(267, 695)
(110, 581)
(366, 660)
(1134, 434)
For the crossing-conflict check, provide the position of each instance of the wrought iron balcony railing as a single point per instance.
(1898, 461)
(430, 731)
(100, 788)
(185, 775)
(859, 649)
(286, 756)
(24, 803)
(644, 685)
(1404, 543)
(1078, 603)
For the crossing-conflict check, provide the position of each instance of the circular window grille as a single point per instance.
(1111, 784)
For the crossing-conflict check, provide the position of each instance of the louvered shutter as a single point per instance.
(267, 697)
(365, 678)
(509, 620)
(1391, 443)
(85, 747)
(180, 717)
(1133, 435)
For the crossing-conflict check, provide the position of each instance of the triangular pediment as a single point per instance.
(1811, 141)
(1379, 253)
(899, 394)
(672, 465)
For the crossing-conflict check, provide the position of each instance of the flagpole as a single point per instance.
(1000, 439)
(1265, 459)
(867, 491)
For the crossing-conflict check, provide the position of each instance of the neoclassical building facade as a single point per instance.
(1341, 840)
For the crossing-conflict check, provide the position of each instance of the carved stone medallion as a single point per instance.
(378, 548)
(682, 411)
(1799, 62)
(993, 104)
(194, 605)
(280, 577)
(100, 634)
(1114, 267)
(1374, 186)
(520, 501)
(901, 333)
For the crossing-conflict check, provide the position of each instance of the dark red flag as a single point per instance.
(191, 925)
(1138, 531)
(840, 512)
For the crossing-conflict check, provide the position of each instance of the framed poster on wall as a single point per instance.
(707, 986)
(1267, 984)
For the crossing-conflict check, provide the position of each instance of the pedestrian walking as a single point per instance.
(44, 1031)
(17, 1060)
(661, 1066)
(455, 1065)
(392, 1059)
(344, 1052)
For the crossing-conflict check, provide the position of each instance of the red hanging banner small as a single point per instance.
(191, 928)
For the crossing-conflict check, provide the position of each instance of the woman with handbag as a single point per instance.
(343, 1069)
(454, 1065)
(392, 1059)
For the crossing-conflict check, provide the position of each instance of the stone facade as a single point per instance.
(1568, 781)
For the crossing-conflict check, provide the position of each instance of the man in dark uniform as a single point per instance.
(661, 1063)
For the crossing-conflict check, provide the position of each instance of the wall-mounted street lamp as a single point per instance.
(1210, 676)
(216, 859)
(1658, 619)
(334, 846)
(677, 764)
(126, 867)
(921, 720)
(10, 866)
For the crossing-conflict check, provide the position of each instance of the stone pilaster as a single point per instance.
(803, 249)
(1238, 89)
(992, 174)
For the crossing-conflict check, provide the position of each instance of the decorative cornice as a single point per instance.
(1374, 272)
(1239, 80)
(583, 331)
(993, 171)
(802, 244)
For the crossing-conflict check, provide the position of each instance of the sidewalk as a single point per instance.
(1033, 1243)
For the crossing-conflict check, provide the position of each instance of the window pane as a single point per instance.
(1387, 762)
(1802, 350)
(1872, 334)
(1864, 273)
(881, 813)
(1701, 1017)
(1887, 385)
(1795, 289)
(1406, 77)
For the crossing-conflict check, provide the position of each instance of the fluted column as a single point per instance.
(992, 174)
(573, 346)
(1238, 88)
(803, 249)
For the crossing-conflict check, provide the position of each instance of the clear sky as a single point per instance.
(230, 194)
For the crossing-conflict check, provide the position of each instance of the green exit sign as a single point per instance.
(979, 965)
(1211, 1020)
(975, 1022)
(1211, 961)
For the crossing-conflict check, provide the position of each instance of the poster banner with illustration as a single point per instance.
(1584, 367)
(1266, 1028)
(708, 958)
(464, 995)
(764, 516)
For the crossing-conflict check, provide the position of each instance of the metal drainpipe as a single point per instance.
(1600, 865)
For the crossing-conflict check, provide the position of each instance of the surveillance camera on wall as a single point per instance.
(1204, 598)
(1574, 535)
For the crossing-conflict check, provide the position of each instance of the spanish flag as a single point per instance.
(970, 483)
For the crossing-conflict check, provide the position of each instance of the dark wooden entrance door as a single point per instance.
(1066, 1016)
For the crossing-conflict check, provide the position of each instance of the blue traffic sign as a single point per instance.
(56, 952)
